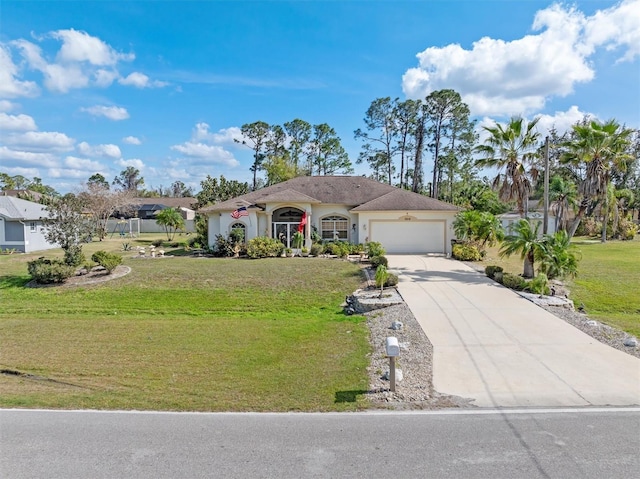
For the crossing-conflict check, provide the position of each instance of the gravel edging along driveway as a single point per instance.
(415, 390)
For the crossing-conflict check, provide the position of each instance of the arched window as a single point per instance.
(238, 226)
(334, 228)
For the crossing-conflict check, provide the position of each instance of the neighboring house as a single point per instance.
(346, 208)
(148, 208)
(21, 226)
(535, 216)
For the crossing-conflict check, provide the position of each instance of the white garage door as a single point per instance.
(409, 236)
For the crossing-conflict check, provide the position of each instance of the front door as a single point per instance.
(284, 232)
(285, 223)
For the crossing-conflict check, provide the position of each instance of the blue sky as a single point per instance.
(96, 86)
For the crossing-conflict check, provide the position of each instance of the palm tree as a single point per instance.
(511, 148)
(557, 256)
(171, 220)
(482, 227)
(563, 195)
(524, 242)
(601, 148)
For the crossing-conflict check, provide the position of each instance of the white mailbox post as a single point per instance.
(393, 351)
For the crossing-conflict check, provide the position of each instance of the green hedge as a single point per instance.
(466, 252)
(264, 247)
(49, 271)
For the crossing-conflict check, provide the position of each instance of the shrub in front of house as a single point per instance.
(49, 271)
(316, 249)
(264, 247)
(512, 281)
(378, 260)
(627, 229)
(222, 247)
(491, 270)
(108, 261)
(539, 284)
(373, 248)
(392, 280)
(466, 252)
(73, 255)
(338, 248)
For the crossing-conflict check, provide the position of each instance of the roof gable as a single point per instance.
(19, 209)
(403, 200)
(352, 191)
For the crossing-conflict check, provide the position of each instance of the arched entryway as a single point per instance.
(285, 222)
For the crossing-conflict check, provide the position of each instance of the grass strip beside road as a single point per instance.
(189, 334)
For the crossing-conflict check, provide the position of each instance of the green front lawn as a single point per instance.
(607, 284)
(183, 333)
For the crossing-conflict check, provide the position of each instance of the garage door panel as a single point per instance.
(409, 237)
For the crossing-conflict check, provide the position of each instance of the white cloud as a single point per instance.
(17, 122)
(10, 86)
(212, 153)
(82, 164)
(22, 171)
(57, 77)
(131, 140)
(69, 173)
(517, 77)
(6, 105)
(115, 113)
(106, 150)
(61, 78)
(562, 121)
(225, 136)
(103, 78)
(135, 162)
(82, 61)
(41, 140)
(79, 46)
(616, 27)
(27, 157)
(140, 80)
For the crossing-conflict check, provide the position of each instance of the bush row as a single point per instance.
(537, 285)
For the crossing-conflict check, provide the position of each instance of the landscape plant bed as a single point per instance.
(607, 282)
(188, 335)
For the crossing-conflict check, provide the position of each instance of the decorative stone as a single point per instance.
(396, 325)
(399, 376)
(630, 342)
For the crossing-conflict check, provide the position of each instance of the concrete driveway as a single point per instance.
(501, 350)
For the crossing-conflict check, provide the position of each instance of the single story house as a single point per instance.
(21, 225)
(535, 215)
(148, 208)
(345, 208)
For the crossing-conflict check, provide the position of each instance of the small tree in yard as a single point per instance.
(171, 220)
(381, 277)
(524, 242)
(68, 226)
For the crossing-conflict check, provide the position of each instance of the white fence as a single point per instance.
(146, 226)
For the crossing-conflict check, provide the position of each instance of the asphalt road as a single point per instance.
(595, 443)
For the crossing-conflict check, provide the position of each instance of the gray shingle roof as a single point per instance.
(405, 200)
(18, 209)
(352, 191)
